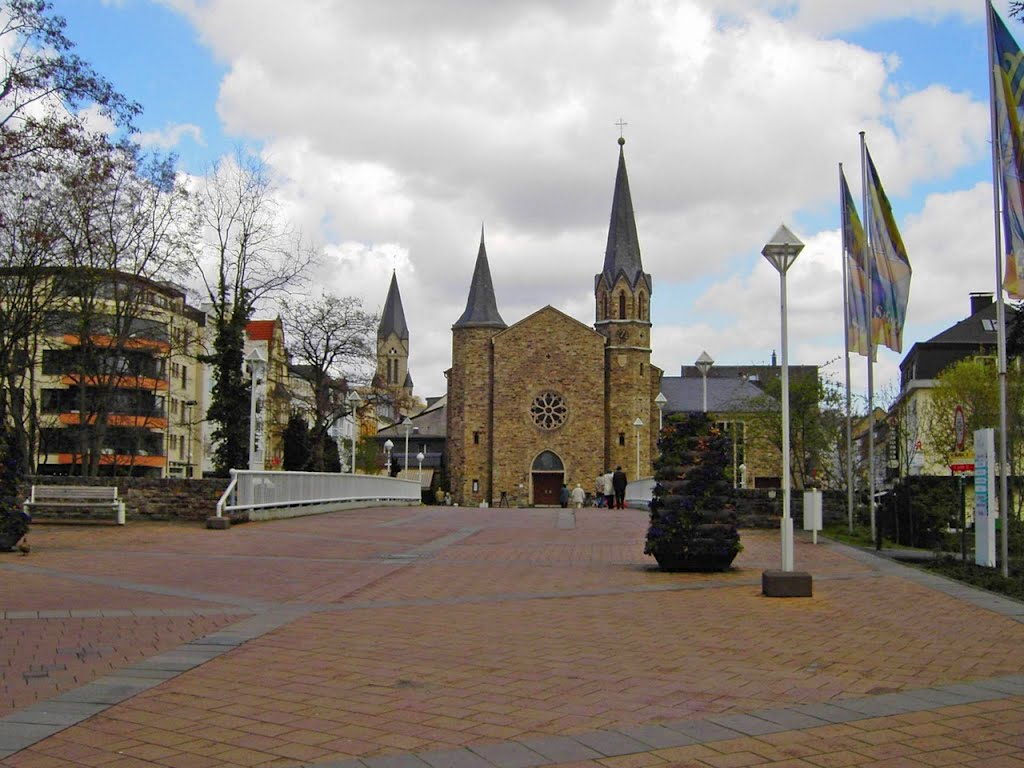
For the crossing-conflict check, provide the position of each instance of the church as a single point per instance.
(549, 400)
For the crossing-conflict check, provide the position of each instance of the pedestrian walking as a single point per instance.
(609, 489)
(578, 496)
(563, 496)
(619, 483)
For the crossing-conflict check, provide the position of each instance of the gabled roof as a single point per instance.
(548, 309)
(260, 330)
(481, 306)
(622, 253)
(392, 317)
(686, 395)
(977, 330)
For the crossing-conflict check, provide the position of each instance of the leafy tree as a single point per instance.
(332, 340)
(296, 444)
(816, 428)
(248, 254)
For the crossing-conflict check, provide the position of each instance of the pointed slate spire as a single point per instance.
(481, 306)
(392, 318)
(622, 254)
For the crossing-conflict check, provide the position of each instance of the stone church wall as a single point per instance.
(547, 352)
(469, 394)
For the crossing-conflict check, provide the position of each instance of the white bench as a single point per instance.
(75, 497)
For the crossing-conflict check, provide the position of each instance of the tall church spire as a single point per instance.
(392, 318)
(481, 306)
(622, 254)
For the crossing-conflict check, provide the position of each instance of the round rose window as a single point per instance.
(549, 410)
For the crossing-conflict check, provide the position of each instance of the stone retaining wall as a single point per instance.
(146, 498)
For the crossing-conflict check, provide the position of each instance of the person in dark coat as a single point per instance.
(619, 483)
(563, 496)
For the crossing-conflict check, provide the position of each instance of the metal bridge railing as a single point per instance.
(251, 490)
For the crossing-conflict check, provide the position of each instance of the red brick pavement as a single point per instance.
(520, 630)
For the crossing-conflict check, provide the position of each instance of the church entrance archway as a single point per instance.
(548, 475)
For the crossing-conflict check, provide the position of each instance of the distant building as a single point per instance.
(115, 377)
(549, 400)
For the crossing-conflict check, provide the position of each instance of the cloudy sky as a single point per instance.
(398, 127)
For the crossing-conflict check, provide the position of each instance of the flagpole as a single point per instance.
(1004, 506)
(871, 330)
(846, 348)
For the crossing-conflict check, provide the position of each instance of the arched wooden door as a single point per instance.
(548, 475)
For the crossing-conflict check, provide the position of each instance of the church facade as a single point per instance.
(549, 400)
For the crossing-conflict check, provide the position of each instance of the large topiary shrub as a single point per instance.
(693, 514)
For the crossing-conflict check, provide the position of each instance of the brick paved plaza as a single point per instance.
(472, 638)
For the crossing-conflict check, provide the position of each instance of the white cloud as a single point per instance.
(171, 136)
(401, 126)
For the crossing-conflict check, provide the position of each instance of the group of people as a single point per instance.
(609, 491)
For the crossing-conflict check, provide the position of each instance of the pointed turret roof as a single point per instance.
(481, 306)
(392, 318)
(622, 254)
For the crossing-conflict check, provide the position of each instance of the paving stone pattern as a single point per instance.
(470, 638)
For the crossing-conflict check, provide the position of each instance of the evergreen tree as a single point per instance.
(296, 444)
(229, 404)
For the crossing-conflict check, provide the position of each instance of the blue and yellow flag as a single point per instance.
(890, 275)
(855, 251)
(1007, 74)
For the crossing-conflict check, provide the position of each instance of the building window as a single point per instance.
(549, 410)
(640, 307)
(476, 486)
(641, 369)
(476, 438)
(622, 306)
(622, 438)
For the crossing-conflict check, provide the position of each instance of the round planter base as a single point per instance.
(677, 563)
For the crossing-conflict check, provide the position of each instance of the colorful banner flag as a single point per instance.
(855, 251)
(1007, 74)
(890, 274)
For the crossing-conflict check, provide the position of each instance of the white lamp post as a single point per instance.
(781, 251)
(638, 423)
(354, 400)
(661, 402)
(257, 371)
(419, 474)
(704, 363)
(407, 425)
(388, 446)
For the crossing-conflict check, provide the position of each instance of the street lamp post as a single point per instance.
(661, 401)
(638, 423)
(388, 445)
(704, 363)
(354, 400)
(190, 404)
(419, 474)
(407, 426)
(257, 371)
(781, 251)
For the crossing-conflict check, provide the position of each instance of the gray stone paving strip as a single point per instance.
(440, 543)
(25, 727)
(566, 520)
(885, 563)
(121, 613)
(107, 581)
(600, 744)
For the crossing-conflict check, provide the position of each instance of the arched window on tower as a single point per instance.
(604, 301)
(640, 307)
(622, 306)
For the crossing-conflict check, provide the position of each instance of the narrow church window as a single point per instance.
(604, 316)
(640, 307)
(476, 438)
(641, 369)
(622, 438)
(476, 486)
(622, 306)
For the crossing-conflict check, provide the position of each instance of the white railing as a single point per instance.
(252, 491)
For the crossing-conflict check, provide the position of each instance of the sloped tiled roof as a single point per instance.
(260, 330)
(481, 306)
(622, 253)
(724, 395)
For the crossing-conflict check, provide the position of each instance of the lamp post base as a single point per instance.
(786, 584)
